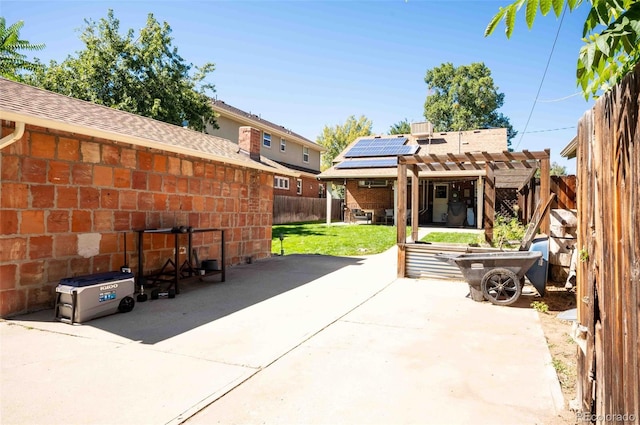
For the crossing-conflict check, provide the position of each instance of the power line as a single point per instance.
(542, 81)
(551, 129)
(559, 100)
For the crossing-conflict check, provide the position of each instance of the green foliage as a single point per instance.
(607, 56)
(584, 255)
(464, 98)
(142, 74)
(401, 127)
(12, 62)
(336, 139)
(339, 240)
(540, 306)
(465, 238)
(557, 169)
(560, 367)
(506, 230)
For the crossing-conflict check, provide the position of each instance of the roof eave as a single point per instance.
(570, 151)
(280, 133)
(124, 138)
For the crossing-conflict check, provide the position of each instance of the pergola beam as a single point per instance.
(474, 157)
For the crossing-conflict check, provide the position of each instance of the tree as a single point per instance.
(12, 62)
(141, 74)
(464, 98)
(557, 169)
(607, 56)
(336, 139)
(401, 127)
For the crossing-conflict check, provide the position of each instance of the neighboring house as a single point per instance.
(298, 155)
(77, 177)
(448, 195)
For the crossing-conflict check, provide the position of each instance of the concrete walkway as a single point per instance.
(294, 339)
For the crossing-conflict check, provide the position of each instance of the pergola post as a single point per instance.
(400, 221)
(489, 202)
(545, 191)
(479, 202)
(329, 199)
(415, 204)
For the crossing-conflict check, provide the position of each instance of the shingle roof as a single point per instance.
(20, 102)
(225, 106)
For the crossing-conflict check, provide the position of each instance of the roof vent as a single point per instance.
(422, 128)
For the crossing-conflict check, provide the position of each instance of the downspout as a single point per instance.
(13, 137)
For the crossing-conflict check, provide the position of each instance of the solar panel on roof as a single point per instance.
(381, 147)
(368, 163)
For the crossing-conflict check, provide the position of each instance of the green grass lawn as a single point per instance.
(349, 240)
(453, 237)
(339, 239)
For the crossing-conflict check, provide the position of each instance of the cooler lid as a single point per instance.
(93, 279)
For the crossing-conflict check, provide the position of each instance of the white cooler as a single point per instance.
(83, 298)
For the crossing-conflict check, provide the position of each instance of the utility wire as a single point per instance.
(551, 129)
(559, 100)
(542, 81)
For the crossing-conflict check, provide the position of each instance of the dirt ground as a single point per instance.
(561, 345)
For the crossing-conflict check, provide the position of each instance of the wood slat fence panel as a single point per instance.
(608, 285)
(291, 209)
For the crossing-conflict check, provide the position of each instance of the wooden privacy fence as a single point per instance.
(291, 209)
(608, 277)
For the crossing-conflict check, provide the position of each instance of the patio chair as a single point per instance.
(388, 216)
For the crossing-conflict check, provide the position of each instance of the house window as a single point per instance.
(372, 183)
(320, 191)
(283, 145)
(281, 183)
(266, 140)
(305, 154)
(299, 187)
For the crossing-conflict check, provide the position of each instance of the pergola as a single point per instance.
(490, 162)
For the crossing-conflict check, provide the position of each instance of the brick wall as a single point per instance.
(375, 198)
(310, 187)
(67, 200)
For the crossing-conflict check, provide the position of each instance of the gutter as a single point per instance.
(13, 137)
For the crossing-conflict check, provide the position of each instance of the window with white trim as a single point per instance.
(299, 187)
(281, 183)
(283, 145)
(266, 140)
(305, 154)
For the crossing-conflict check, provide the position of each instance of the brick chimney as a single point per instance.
(249, 142)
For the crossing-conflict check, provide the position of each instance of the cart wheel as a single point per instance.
(155, 294)
(501, 286)
(141, 298)
(171, 293)
(126, 305)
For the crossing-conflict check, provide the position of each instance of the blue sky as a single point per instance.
(308, 64)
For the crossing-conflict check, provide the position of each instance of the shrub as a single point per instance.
(506, 230)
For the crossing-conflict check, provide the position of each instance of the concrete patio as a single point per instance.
(293, 339)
